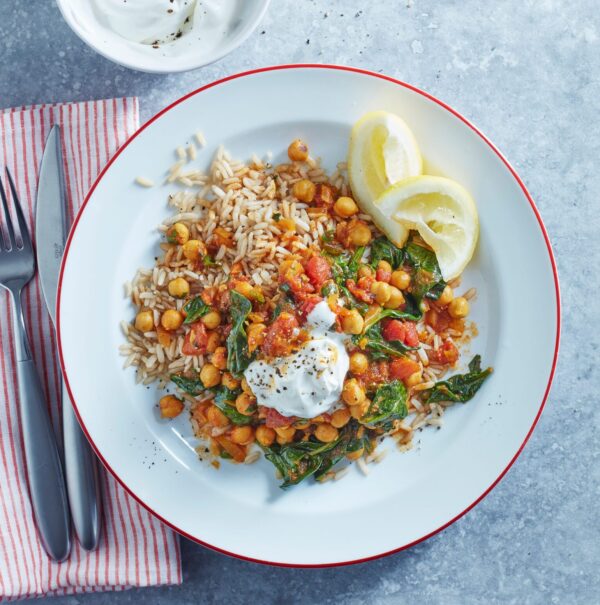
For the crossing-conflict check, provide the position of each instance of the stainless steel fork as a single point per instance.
(44, 468)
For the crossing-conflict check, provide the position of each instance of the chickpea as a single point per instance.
(265, 435)
(400, 279)
(193, 249)
(326, 433)
(178, 287)
(414, 379)
(256, 336)
(212, 319)
(352, 322)
(340, 418)
(178, 234)
(356, 454)
(382, 291)
(242, 435)
(285, 434)
(345, 207)
(219, 358)
(458, 308)
(446, 297)
(144, 321)
(298, 151)
(171, 319)
(384, 266)
(358, 411)
(304, 190)
(360, 234)
(212, 342)
(395, 300)
(365, 271)
(245, 404)
(359, 363)
(216, 417)
(210, 375)
(353, 393)
(170, 406)
(246, 387)
(229, 381)
(163, 337)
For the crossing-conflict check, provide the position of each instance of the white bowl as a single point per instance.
(143, 57)
(239, 509)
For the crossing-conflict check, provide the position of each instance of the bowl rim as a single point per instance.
(468, 124)
(119, 60)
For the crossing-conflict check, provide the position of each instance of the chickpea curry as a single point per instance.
(348, 339)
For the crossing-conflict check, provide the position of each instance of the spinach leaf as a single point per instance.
(238, 358)
(379, 348)
(427, 279)
(345, 267)
(286, 302)
(383, 249)
(225, 401)
(207, 261)
(297, 461)
(329, 288)
(412, 315)
(460, 387)
(389, 404)
(195, 309)
(193, 386)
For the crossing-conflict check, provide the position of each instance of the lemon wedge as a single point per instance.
(382, 151)
(442, 211)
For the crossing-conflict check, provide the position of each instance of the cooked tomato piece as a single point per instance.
(275, 420)
(361, 293)
(324, 196)
(446, 354)
(280, 336)
(377, 373)
(438, 320)
(318, 270)
(237, 452)
(306, 303)
(394, 329)
(403, 367)
(195, 340)
(404, 331)
(411, 337)
(383, 275)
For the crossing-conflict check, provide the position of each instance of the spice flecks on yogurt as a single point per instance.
(309, 382)
(146, 21)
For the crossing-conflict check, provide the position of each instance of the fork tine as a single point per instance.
(9, 226)
(19, 212)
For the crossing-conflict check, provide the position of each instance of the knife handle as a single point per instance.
(83, 485)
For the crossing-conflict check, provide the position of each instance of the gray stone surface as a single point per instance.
(527, 73)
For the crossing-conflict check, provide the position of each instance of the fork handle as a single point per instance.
(42, 459)
(83, 485)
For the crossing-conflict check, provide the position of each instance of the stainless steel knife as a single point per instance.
(81, 470)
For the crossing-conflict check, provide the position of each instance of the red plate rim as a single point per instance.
(474, 129)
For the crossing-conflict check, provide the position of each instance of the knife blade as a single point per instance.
(81, 473)
(50, 219)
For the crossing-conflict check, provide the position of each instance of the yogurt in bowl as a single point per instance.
(163, 36)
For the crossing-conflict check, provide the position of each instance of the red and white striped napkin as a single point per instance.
(135, 549)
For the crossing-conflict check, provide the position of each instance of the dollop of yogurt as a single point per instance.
(309, 382)
(179, 29)
(146, 21)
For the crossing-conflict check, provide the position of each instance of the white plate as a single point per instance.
(239, 509)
